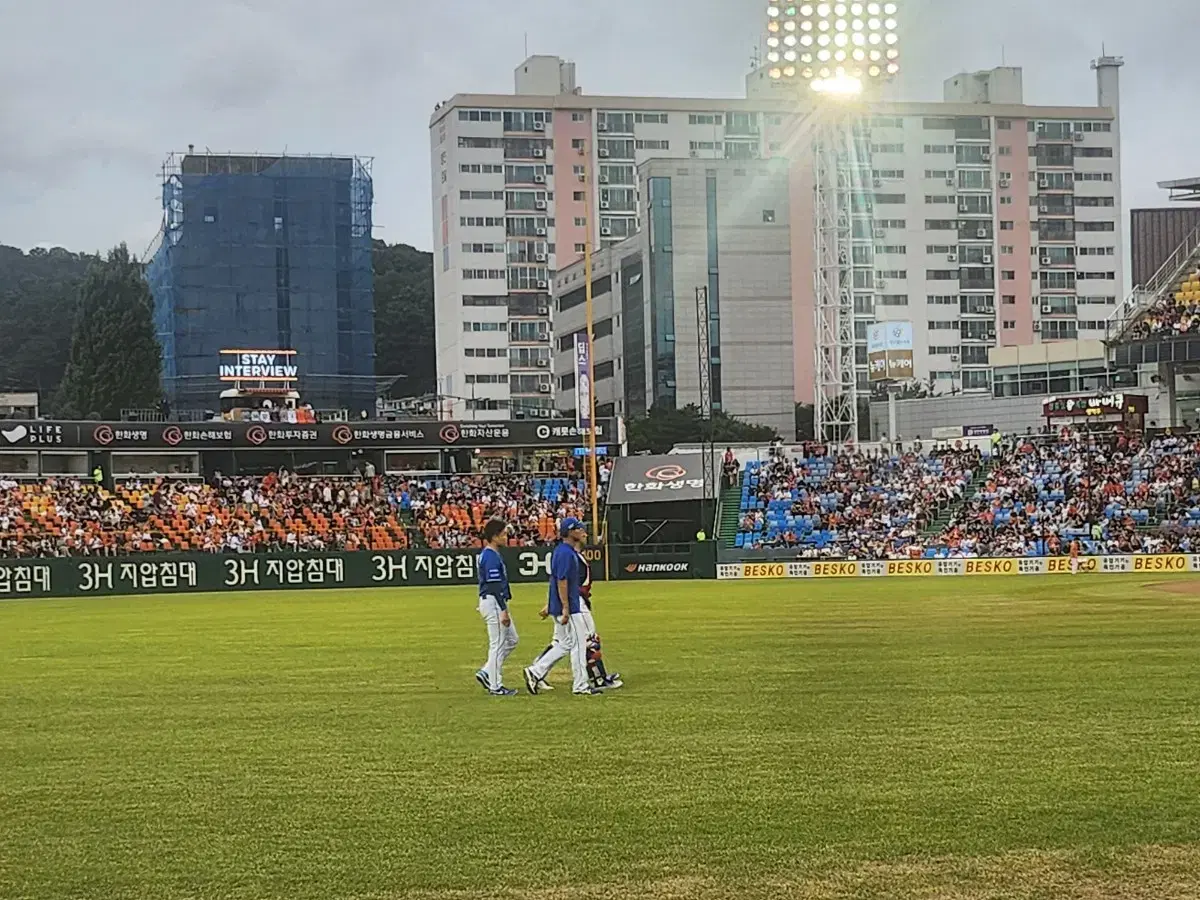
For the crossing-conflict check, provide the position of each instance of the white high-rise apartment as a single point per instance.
(995, 223)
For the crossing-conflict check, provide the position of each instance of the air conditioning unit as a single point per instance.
(604, 204)
(1078, 137)
(964, 207)
(539, 257)
(539, 179)
(1044, 181)
(1044, 207)
(543, 310)
(605, 232)
(542, 285)
(881, 284)
(1037, 326)
(950, 182)
(1047, 309)
(581, 177)
(538, 153)
(1046, 261)
(951, 257)
(543, 388)
(602, 153)
(539, 126)
(540, 232)
(987, 257)
(543, 363)
(539, 204)
(880, 233)
(603, 179)
(953, 357)
(1003, 182)
(986, 156)
(981, 232)
(878, 182)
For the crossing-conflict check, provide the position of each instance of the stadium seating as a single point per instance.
(66, 517)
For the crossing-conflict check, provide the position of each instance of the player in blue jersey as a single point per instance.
(566, 606)
(597, 674)
(494, 594)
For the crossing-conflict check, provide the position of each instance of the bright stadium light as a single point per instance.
(854, 44)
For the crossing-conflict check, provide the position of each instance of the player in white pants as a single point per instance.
(494, 594)
(566, 606)
(597, 673)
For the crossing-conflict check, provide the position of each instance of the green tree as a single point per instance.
(664, 427)
(39, 291)
(115, 360)
(404, 336)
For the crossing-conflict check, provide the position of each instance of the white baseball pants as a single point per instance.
(502, 640)
(568, 639)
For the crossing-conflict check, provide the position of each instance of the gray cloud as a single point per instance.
(95, 95)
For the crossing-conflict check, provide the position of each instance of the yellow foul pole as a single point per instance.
(593, 479)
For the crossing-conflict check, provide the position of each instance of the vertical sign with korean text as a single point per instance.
(583, 382)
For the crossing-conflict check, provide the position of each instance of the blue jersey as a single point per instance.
(564, 566)
(493, 577)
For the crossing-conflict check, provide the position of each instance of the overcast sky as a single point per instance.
(94, 94)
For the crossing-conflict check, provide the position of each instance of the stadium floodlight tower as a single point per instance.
(837, 52)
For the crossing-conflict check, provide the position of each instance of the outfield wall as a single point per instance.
(180, 573)
(1030, 565)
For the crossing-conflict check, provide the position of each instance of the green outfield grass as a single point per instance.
(932, 738)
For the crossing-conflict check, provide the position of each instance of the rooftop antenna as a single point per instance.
(527, 45)
(1003, 61)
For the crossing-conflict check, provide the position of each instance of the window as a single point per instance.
(891, 223)
(578, 196)
(1006, 226)
(1005, 151)
(484, 326)
(887, 122)
(1097, 276)
(1006, 250)
(580, 248)
(942, 299)
(893, 299)
(1008, 299)
(1008, 275)
(651, 118)
(1093, 176)
(1094, 201)
(1059, 330)
(939, 173)
(941, 275)
(482, 248)
(480, 168)
(480, 221)
(481, 195)
(892, 249)
(580, 222)
(891, 199)
(887, 148)
(705, 119)
(942, 326)
(481, 274)
(653, 145)
(768, 216)
(1097, 251)
(938, 199)
(1056, 281)
(894, 174)
(938, 124)
(941, 225)
(893, 273)
(603, 370)
(707, 145)
(943, 351)
(1009, 324)
(1094, 152)
(939, 148)
(479, 115)
(1095, 226)
(578, 117)
(1004, 124)
(485, 352)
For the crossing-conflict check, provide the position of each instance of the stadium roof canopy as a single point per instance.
(1186, 189)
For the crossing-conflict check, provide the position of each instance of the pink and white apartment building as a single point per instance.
(995, 223)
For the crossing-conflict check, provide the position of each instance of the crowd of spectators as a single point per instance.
(279, 512)
(1176, 312)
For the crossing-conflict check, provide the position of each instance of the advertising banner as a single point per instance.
(657, 479)
(191, 572)
(583, 382)
(220, 435)
(1026, 565)
(890, 351)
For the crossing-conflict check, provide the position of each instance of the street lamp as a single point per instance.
(838, 51)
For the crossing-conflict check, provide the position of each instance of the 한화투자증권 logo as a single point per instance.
(256, 435)
(449, 434)
(342, 434)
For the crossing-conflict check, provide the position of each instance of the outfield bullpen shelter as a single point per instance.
(655, 510)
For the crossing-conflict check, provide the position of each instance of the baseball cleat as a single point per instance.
(613, 681)
(590, 692)
(504, 692)
(544, 685)
(482, 677)
(531, 683)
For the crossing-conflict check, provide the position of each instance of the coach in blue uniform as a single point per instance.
(564, 604)
(494, 594)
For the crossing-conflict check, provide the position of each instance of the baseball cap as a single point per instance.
(568, 525)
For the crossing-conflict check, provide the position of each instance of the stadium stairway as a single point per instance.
(938, 524)
(1168, 278)
(731, 502)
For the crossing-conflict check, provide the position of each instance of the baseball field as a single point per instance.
(887, 738)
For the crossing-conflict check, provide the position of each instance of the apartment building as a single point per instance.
(994, 223)
(720, 225)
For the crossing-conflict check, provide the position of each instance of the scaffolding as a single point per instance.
(270, 251)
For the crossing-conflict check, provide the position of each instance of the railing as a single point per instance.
(1141, 298)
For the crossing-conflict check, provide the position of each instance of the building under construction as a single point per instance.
(266, 252)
